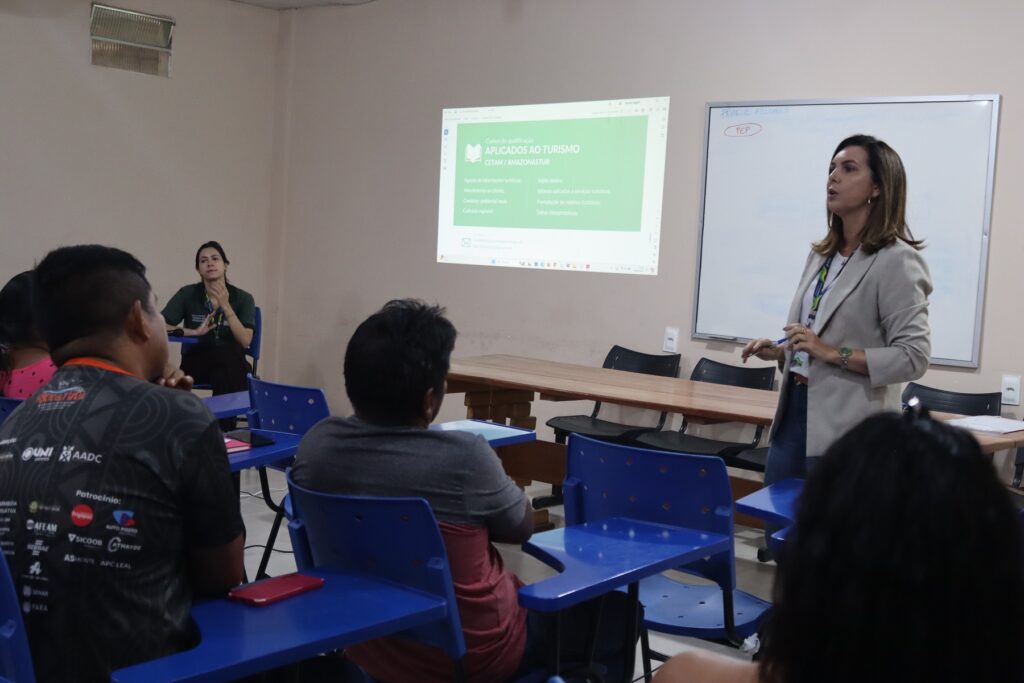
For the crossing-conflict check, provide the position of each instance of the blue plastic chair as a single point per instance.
(257, 341)
(395, 539)
(284, 407)
(7, 406)
(281, 408)
(606, 479)
(15, 657)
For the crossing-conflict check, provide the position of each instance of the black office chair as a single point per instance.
(619, 358)
(990, 403)
(954, 401)
(708, 370)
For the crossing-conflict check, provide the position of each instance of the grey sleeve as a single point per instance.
(490, 496)
(903, 313)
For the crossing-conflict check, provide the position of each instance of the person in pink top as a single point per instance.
(25, 363)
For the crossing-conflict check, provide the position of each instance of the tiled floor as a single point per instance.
(752, 576)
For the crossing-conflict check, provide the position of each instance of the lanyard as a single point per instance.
(97, 363)
(820, 289)
(217, 319)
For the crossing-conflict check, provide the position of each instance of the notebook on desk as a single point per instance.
(495, 434)
(988, 423)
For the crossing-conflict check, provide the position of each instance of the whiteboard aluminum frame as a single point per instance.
(994, 98)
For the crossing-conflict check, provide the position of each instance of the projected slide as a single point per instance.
(572, 186)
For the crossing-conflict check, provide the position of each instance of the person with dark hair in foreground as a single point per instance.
(222, 316)
(116, 504)
(395, 369)
(25, 363)
(904, 564)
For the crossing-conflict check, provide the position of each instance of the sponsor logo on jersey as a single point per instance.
(81, 515)
(37, 454)
(85, 540)
(35, 506)
(124, 518)
(37, 547)
(61, 396)
(115, 544)
(41, 527)
(69, 454)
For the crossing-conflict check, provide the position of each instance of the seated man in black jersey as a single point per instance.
(116, 503)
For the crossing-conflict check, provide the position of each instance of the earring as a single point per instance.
(869, 201)
(830, 215)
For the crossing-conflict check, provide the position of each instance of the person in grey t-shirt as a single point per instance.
(395, 369)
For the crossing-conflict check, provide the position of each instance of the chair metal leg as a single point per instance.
(1018, 469)
(265, 490)
(730, 619)
(261, 573)
(645, 652)
(632, 626)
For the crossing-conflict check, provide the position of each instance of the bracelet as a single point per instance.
(844, 357)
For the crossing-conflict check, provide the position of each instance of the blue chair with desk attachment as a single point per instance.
(281, 408)
(7, 406)
(692, 491)
(618, 358)
(15, 657)
(708, 370)
(348, 533)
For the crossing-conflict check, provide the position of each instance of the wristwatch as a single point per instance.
(844, 357)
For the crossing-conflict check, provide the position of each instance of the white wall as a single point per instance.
(152, 165)
(366, 96)
(307, 141)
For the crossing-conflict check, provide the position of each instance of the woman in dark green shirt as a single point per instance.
(222, 316)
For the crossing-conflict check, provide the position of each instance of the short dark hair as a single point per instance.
(904, 564)
(17, 325)
(215, 245)
(85, 290)
(394, 357)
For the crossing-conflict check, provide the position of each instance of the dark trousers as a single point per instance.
(577, 625)
(223, 367)
(787, 455)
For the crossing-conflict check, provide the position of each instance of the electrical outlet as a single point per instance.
(1011, 390)
(670, 344)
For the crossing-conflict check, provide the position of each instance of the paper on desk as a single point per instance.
(988, 423)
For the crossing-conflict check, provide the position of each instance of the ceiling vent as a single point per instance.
(134, 41)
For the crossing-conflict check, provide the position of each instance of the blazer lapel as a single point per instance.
(853, 273)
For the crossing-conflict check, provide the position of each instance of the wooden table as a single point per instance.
(502, 388)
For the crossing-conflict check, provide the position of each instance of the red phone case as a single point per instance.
(269, 591)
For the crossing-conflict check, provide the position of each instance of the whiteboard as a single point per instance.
(763, 203)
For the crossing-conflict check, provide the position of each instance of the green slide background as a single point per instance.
(611, 157)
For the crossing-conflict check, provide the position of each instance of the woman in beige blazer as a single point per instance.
(858, 324)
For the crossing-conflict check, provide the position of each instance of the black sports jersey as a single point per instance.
(106, 481)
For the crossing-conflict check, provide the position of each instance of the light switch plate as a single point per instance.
(1011, 390)
(670, 344)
